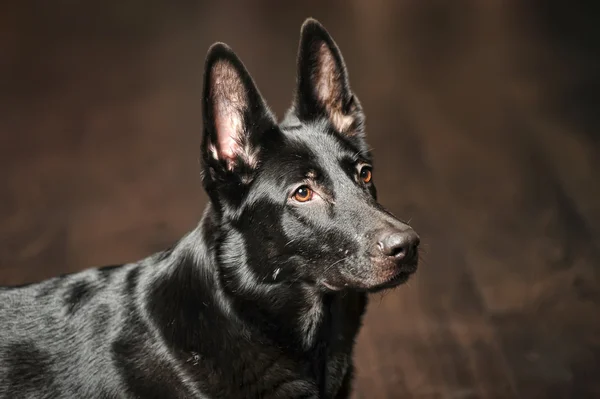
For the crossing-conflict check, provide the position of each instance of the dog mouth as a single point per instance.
(396, 278)
(399, 277)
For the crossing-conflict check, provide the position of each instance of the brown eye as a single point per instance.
(303, 194)
(365, 174)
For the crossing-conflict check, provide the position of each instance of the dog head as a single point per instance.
(296, 200)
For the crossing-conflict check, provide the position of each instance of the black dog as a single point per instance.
(265, 298)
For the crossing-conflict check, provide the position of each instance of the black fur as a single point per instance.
(264, 299)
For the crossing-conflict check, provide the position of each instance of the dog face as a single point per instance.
(297, 200)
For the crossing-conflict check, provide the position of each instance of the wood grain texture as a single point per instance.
(483, 119)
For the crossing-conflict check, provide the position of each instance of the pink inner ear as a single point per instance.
(229, 131)
(229, 101)
(326, 84)
(329, 89)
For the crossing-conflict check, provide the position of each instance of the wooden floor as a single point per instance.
(484, 123)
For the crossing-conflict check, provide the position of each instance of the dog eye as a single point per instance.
(366, 174)
(303, 194)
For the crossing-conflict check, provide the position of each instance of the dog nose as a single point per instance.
(399, 244)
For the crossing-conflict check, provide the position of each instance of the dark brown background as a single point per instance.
(483, 117)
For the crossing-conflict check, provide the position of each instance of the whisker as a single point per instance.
(324, 271)
(334, 263)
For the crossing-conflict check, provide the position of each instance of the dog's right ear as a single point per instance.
(235, 118)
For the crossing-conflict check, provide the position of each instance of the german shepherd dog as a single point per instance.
(265, 297)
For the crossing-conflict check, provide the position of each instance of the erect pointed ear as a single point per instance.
(323, 89)
(235, 115)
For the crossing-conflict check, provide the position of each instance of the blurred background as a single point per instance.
(483, 117)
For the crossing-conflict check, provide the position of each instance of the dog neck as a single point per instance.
(292, 314)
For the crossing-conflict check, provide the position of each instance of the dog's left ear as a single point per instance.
(323, 88)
